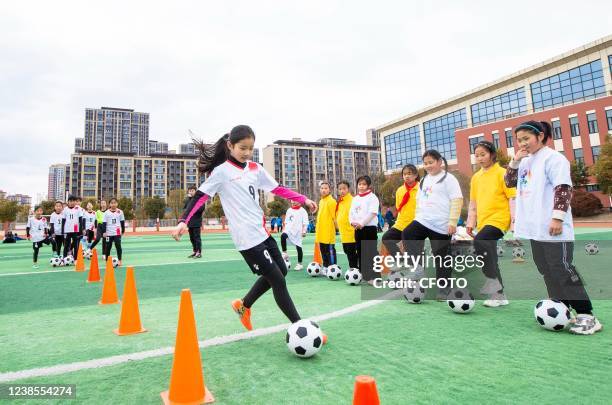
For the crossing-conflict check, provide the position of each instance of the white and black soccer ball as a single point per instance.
(304, 338)
(397, 277)
(287, 264)
(518, 253)
(68, 260)
(500, 251)
(461, 301)
(115, 262)
(352, 276)
(414, 293)
(471, 251)
(334, 272)
(591, 248)
(313, 269)
(56, 261)
(87, 254)
(552, 315)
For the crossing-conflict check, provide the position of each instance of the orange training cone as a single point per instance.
(94, 270)
(80, 263)
(187, 379)
(129, 324)
(384, 253)
(365, 391)
(109, 289)
(317, 254)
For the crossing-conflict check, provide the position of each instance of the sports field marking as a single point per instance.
(216, 341)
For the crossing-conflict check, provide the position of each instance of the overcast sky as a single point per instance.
(307, 69)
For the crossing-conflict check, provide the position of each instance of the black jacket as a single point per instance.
(196, 219)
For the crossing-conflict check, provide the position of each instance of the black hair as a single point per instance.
(367, 179)
(413, 169)
(113, 199)
(324, 182)
(58, 202)
(436, 156)
(536, 128)
(72, 198)
(213, 155)
(343, 182)
(489, 147)
(192, 188)
(36, 207)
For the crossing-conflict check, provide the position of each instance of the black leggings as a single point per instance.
(109, 246)
(90, 236)
(57, 246)
(71, 243)
(195, 238)
(328, 254)
(390, 239)
(350, 249)
(266, 260)
(300, 252)
(98, 237)
(365, 240)
(554, 262)
(413, 237)
(36, 246)
(485, 244)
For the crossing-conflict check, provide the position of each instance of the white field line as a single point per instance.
(194, 261)
(216, 341)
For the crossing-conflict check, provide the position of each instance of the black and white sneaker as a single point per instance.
(191, 256)
(197, 255)
(585, 324)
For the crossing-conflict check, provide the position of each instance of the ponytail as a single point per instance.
(212, 156)
(437, 156)
(536, 128)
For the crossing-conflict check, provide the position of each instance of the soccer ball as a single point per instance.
(313, 269)
(115, 262)
(55, 261)
(304, 338)
(334, 272)
(518, 253)
(396, 276)
(552, 314)
(471, 251)
(288, 264)
(414, 293)
(68, 261)
(87, 254)
(591, 248)
(352, 276)
(500, 251)
(461, 301)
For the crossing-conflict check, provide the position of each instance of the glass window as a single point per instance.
(509, 139)
(609, 119)
(499, 107)
(403, 147)
(496, 140)
(592, 187)
(592, 122)
(440, 132)
(574, 126)
(595, 150)
(581, 83)
(474, 141)
(578, 155)
(556, 126)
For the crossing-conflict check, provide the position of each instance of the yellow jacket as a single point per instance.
(326, 230)
(347, 232)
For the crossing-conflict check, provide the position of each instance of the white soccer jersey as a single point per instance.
(56, 220)
(90, 220)
(113, 222)
(434, 201)
(239, 192)
(37, 228)
(72, 217)
(362, 207)
(296, 221)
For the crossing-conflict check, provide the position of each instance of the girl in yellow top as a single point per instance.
(347, 232)
(325, 233)
(490, 213)
(405, 203)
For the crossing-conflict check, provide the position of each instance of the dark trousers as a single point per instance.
(71, 243)
(109, 246)
(366, 240)
(554, 262)
(413, 237)
(350, 249)
(57, 246)
(300, 252)
(485, 244)
(390, 239)
(98, 237)
(328, 254)
(37, 245)
(196, 240)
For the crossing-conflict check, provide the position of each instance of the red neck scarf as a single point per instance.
(338, 203)
(406, 197)
(364, 194)
(297, 207)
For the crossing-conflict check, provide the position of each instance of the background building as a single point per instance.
(301, 165)
(187, 149)
(21, 199)
(57, 182)
(571, 90)
(116, 130)
(372, 137)
(2, 194)
(157, 147)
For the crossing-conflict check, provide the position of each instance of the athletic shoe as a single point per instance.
(324, 338)
(285, 256)
(198, 255)
(191, 256)
(120, 264)
(442, 294)
(104, 257)
(243, 312)
(491, 286)
(298, 267)
(35, 266)
(496, 300)
(324, 271)
(586, 325)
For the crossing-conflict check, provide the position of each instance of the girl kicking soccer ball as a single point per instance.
(543, 184)
(238, 180)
